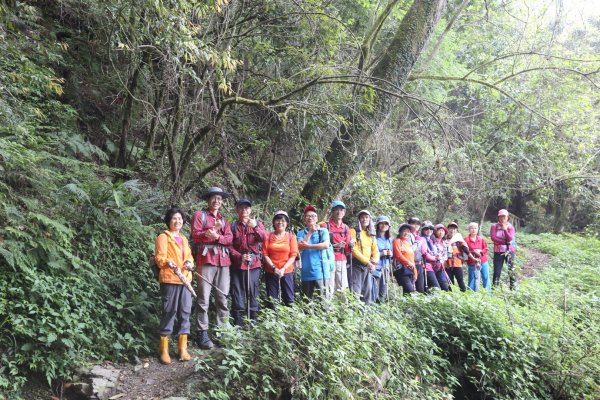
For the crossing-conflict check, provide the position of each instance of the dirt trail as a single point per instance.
(535, 261)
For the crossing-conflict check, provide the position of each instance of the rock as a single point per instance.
(104, 381)
(176, 398)
(146, 365)
(81, 389)
(138, 368)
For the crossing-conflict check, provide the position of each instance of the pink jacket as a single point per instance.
(502, 238)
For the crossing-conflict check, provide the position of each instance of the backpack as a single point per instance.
(195, 247)
(416, 247)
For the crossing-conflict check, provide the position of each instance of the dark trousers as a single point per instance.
(442, 280)
(499, 260)
(458, 273)
(432, 281)
(275, 286)
(244, 288)
(420, 283)
(309, 287)
(176, 303)
(406, 281)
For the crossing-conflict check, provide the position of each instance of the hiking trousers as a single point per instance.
(458, 273)
(361, 283)
(309, 287)
(338, 280)
(218, 276)
(499, 260)
(274, 283)
(420, 283)
(244, 289)
(176, 303)
(484, 277)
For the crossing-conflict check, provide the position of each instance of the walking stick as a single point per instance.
(477, 274)
(279, 292)
(182, 278)
(386, 281)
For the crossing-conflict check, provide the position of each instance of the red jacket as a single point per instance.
(479, 243)
(247, 240)
(213, 252)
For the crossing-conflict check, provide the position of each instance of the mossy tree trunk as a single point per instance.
(345, 156)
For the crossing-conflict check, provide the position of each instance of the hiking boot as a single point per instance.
(182, 347)
(203, 341)
(164, 350)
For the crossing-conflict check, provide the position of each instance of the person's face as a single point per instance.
(280, 224)
(405, 233)
(473, 230)
(439, 233)
(426, 232)
(364, 219)
(215, 201)
(243, 211)
(502, 219)
(452, 231)
(415, 227)
(176, 222)
(310, 218)
(338, 213)
(383, 227)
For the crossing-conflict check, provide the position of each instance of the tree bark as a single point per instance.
(344, 157)
(122, 158)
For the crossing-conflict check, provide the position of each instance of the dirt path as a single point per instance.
(535, 261)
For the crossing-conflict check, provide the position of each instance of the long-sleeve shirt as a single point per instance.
(312, 260)
(280, 251)
(502, 238)
(403, 252)
(213, 252)
(338, 233)
(364, 249)
(383, 243)
(167, 249)
(247, 240)
(477, 243)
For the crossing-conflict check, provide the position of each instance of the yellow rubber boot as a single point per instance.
(182, 346)
(164, 350)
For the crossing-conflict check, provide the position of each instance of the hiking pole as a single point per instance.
(279, 292)
(386, 265)
(477, 274)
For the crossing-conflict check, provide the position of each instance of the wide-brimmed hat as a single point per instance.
(243, 200)
(403, 227)
(363, 212)
(383, 218)
(453, 223)
(215, 190)
(337, 203)
(503, 212)
(283, 214)
(441, 226)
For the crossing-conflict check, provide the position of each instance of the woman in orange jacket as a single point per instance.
(405, 271)
(173, 252)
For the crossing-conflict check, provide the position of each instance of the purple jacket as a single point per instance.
(502, 238)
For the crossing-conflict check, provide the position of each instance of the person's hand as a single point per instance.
(246, 257)
(171, 264)
(302, 245)
(371, 266)
(352, 243)
(252, 222)
(411, 266)
(211, 234)
(188, 265)
(218, 225)
(279, 272)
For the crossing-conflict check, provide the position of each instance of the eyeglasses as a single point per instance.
(311, 216)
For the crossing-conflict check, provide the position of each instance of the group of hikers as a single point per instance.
(228, 259)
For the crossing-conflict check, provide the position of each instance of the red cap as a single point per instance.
(310, 207)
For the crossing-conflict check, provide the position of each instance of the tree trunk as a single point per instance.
(122, 158)
(344, 158)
